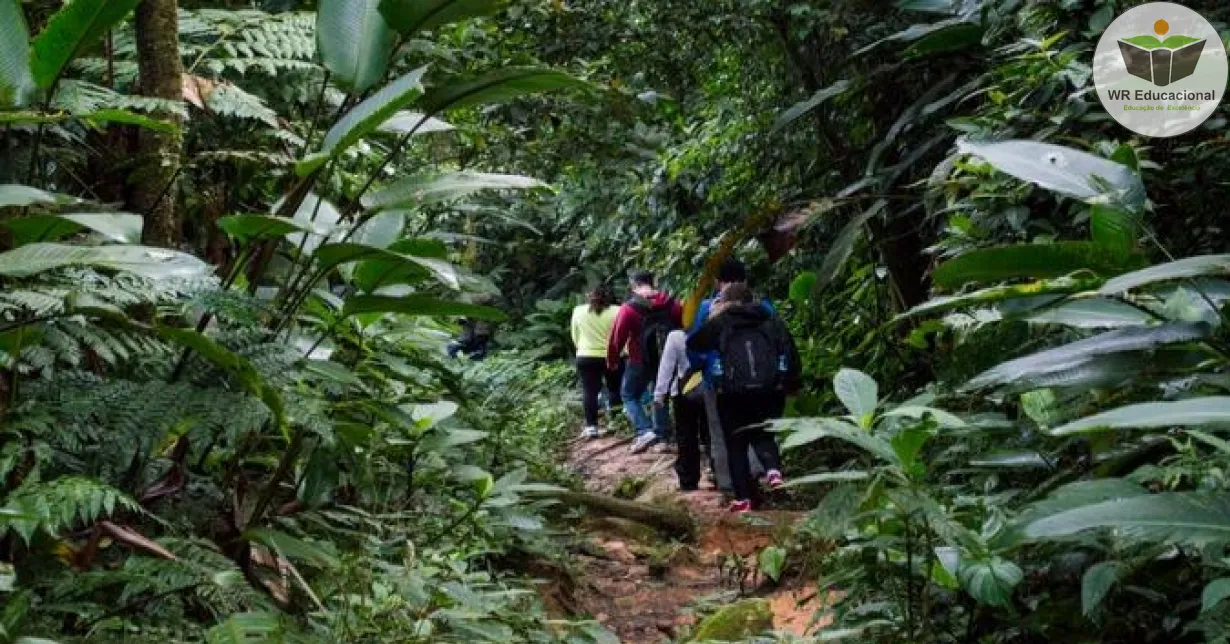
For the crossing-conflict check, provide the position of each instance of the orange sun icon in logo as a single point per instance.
(1161, 27)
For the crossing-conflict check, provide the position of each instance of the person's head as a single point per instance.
(734, 294)
(643, 283)
(600, 298)
(732, 271)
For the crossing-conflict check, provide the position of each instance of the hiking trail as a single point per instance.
(646, 588)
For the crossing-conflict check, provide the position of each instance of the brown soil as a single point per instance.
(647, 590)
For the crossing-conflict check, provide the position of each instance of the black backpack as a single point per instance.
(656, 324)
(753, 357)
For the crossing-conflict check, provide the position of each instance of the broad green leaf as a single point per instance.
(907, 444)
(997, 294)
(1040, 405)
(233, 364)
(409, 17)
(1033, 369)
(1069, 172)
(772, 562)
(333, 255)
(423, 305)
(75, 27)
(116, 226)
(1092, 314)
(96, 119)
(1037, 261)
(292, 548)
(382, 230)
(1214, 593)
(1011, 460)
(414, 123)
(431, 414)
(1173, 517)
(17, 195)
(383, 270)
(1212, 410)
(858, 392)
(316, 217)
(941, 417)
(912, 33)
(1198, 266)
(809, 430)
(843, 476)
(421, 190)
(804, 107)
(364, 119)
(16, 84)
(843, 245)
(1096, 584)
(990, 582)
(802, 287)
(247, 228)
(354, 42)
(1063, 499)
(1114, 228)
(962, 35)
(495, 87)
(154, 263)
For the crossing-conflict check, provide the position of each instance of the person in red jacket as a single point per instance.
(628, 334)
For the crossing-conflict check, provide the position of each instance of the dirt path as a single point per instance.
(647, 590)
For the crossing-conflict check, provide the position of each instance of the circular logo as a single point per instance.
(1160, 69)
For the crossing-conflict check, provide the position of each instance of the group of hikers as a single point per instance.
(724, 378)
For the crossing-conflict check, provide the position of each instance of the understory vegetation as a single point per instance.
(235, 238)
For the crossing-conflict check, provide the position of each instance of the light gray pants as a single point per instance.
(717, 445)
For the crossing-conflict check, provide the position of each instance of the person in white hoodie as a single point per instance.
(678, 381)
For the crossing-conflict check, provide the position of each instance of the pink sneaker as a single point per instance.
(740, 507)
(775, 480)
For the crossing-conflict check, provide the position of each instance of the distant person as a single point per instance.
(641, 327)
(756, 366)
(732, 271)
(591, 333)
(473, 340)
(683, 386)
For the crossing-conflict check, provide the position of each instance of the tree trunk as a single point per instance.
(672, 521)
(154, 192)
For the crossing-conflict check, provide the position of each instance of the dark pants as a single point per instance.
(743, 418)
(594, 375)
(690, 431)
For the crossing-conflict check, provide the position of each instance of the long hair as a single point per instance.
(600, 298)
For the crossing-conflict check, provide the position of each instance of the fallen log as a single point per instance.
(672, 521)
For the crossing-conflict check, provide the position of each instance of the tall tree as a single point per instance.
(155, 181)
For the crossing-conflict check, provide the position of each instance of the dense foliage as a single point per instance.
(1011, 311)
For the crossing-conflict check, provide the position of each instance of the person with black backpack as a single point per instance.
(757, 366)
(641, 327)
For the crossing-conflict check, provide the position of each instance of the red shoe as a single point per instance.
(775, 480)
(740, 507)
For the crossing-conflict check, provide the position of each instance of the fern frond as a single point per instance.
(229, 100)
(62, 503)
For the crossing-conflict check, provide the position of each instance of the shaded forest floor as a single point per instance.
(647, 589)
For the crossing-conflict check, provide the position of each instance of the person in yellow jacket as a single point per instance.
(591, 331)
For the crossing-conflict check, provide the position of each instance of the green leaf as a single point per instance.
(248, 228)
(1032, 369)
(1214, 593)
(354, 41)
(495, 87)
(1005, 293)
(247, 628)
(154, 263)
(333, 255)
(802, 286)
(409, 17)
(843, 245)
(364, 119)
(318, 218)
(1114, 228)
(1181, 269)
(116, 226)
(1175, 517)
(907, 444)
(292, 548)
(949, 38)
(772, 562)
(809, 430)
(421, 190)
(1069, 172)
(233, 364)
(1063, 499)
(1096, 583)
(858, 392)
(990, 582)
(16, 84)
(126, 117)
(384, 270)
(1211, 410)
(17, 195)
(1038, 261)
(804, 107)
(76, 26)
(422, 305)
(414, 123)
(382, 230)
(941, 417)
(1093, 313)
(843, 476)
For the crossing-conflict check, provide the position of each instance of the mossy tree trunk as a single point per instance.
(154, 184)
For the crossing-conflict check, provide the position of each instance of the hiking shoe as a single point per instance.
(591, 432)
(775, 480)
(664, 448)
(643, 442)
(740, 507)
